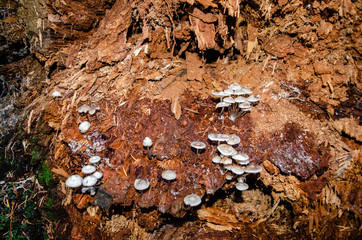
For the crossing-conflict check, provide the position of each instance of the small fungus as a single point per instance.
(229, 176)
(56, 94)
(91, 190)
(241, 186)
(169, 175)
(89, 181)
(192, 200)
(98, 175)
(94, 159)
(225, 149)
(74, 181)
(88, 169)
(84, 126)
(218, 137)
(238, 170)
(216, 159)
(226, 161)
(141, 184)
(252, 168)
(198, 146)
(240, 157)
(233, 140)
(147, 143)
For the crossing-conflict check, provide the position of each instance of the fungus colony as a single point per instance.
(238, 101)
(234, 165)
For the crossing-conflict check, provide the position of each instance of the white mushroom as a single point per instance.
(56, 94)
(216, 159)
(147, 143)
(91, 190)
(141, 184)
(253, 99)
(98, 175)
(192, 200)
(252, 168)
(94, 159)
(233, 140)
(218, 137)
(241, 186)
(240, 157)
(74, 181)
(84, 108)
(244, 105)
(229, 100)
(84, 126)
(247, 90)
(198, 146)
(89, 181)
(225, 149)
(235, 86)
(88, 169)
(229, 176)
(226, 161)
(169, 175)
(238, 170)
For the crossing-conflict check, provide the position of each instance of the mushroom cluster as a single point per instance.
(238, 101)
(237, 164)
(91, 178)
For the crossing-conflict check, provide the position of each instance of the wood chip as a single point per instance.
(176, 107)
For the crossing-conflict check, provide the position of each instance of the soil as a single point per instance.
(148, 68)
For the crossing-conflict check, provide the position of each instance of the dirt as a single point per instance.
(150, 67)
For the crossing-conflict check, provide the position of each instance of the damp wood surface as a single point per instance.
(149, 68)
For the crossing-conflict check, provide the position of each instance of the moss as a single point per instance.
(45, 176)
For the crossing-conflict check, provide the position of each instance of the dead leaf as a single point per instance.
(219, 227)
(60, 172)
(176, 107)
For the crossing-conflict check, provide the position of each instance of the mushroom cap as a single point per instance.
(147, 142)
(88, 169)
(98, 175)
(240, 99)
(169, 175)
(89, 181)
(74, 181)
(220, 94)
(229, 91)
(84, 108)
(94, 159)
(226, 161)
(239, 92)
(238, 170)
(141, 184)
(192, 200)
(222, 104)
(240, 157)
(198, 145)
(84, 126)
(229, 176)
(247, 90)
(229, 100)
(218, 137)
(241, 186)
(246, 162)
(235, 86)
(228, 167)
(253, 168)
(216, 159)
(241, 178)
(233, 140)
(226, 149)
(253, 98)
(244, 105)
(56, 94)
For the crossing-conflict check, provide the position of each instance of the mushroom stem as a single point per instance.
(149, 153)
